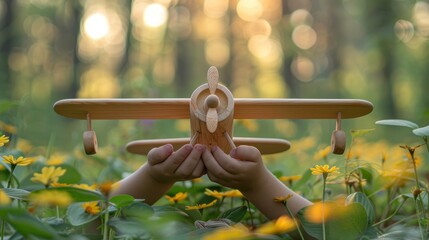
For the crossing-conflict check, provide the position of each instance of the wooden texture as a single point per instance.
(287, 108)
(124, 108)
(212, 133)
(265, 145)
(244, 108)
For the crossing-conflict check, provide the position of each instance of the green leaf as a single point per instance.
(138, 210)
(125, 227)
(422, 132)
(398, 122)
(348, 222)
(30, 227)
(71, 175)
(6, 105)
(359, 197)
(78, 194)
(122, 200)
(162, 211)
(303, 180)
(77, 215)
(235, 214)
(16, 193)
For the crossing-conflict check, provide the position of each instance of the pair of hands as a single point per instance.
(237, 170)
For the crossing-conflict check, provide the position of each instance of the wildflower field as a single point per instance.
(375, 190)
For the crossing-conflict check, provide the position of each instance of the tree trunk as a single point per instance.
(6, 39)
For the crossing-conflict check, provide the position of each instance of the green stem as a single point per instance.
(388, 218)
(220, 204)
(419, 200)
(9, 183)
(2, 228)
(58, 211)
(294, 220)
(325, 175)
(418, 218)
(9, 180)
(106, 219)
(250, 213)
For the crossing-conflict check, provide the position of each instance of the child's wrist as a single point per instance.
(154, 179)
(260, 181)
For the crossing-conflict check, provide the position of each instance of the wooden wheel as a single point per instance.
(338, 142)
(90, 142)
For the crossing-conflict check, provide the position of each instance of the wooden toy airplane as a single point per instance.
(211, 110)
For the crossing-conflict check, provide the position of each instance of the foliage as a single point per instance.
(380, 200)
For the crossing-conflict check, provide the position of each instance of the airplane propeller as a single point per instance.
(212, 101)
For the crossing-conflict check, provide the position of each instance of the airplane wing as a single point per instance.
(265, 145)
(124, 108)
(244, 108)
(297, 108)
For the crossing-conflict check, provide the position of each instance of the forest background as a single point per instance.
(52, 50)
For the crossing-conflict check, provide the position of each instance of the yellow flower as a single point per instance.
(56, 159)
(4, 198)
(220, 195)
(236, 232)
(91, 207)
(51, 198)
(7, 128)
(48, 175)
(201, 206)
(197, 180)
(323, 153)
(325, 169)
(233, 193)
(314, 213)
(106, 187)
(57, 184)
(214, 193)
(281, 225)
(92, 187)
(3, 140)
(283, 199)
(24, 145)
(21, 161)
(177, 198)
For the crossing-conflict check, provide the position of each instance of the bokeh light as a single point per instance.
(249, 10)
(259, 27)
(303, 68)
(155, 15)
(304, 37)
(301, 17)
(96, 26)
(98, 83)
(421, 18)
(217, 52)
(404, 30)
(215, 8)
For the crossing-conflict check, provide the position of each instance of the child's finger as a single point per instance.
(226, 162)
(176, 159)
(199, 170)
(159, 154)
(187, 167)
(214, 171)
(247, 153)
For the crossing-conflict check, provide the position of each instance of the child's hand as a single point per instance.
(240, 170)
(166, 166)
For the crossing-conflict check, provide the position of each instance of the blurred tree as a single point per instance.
(379, 19)
(68, 20)
(6, 40)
